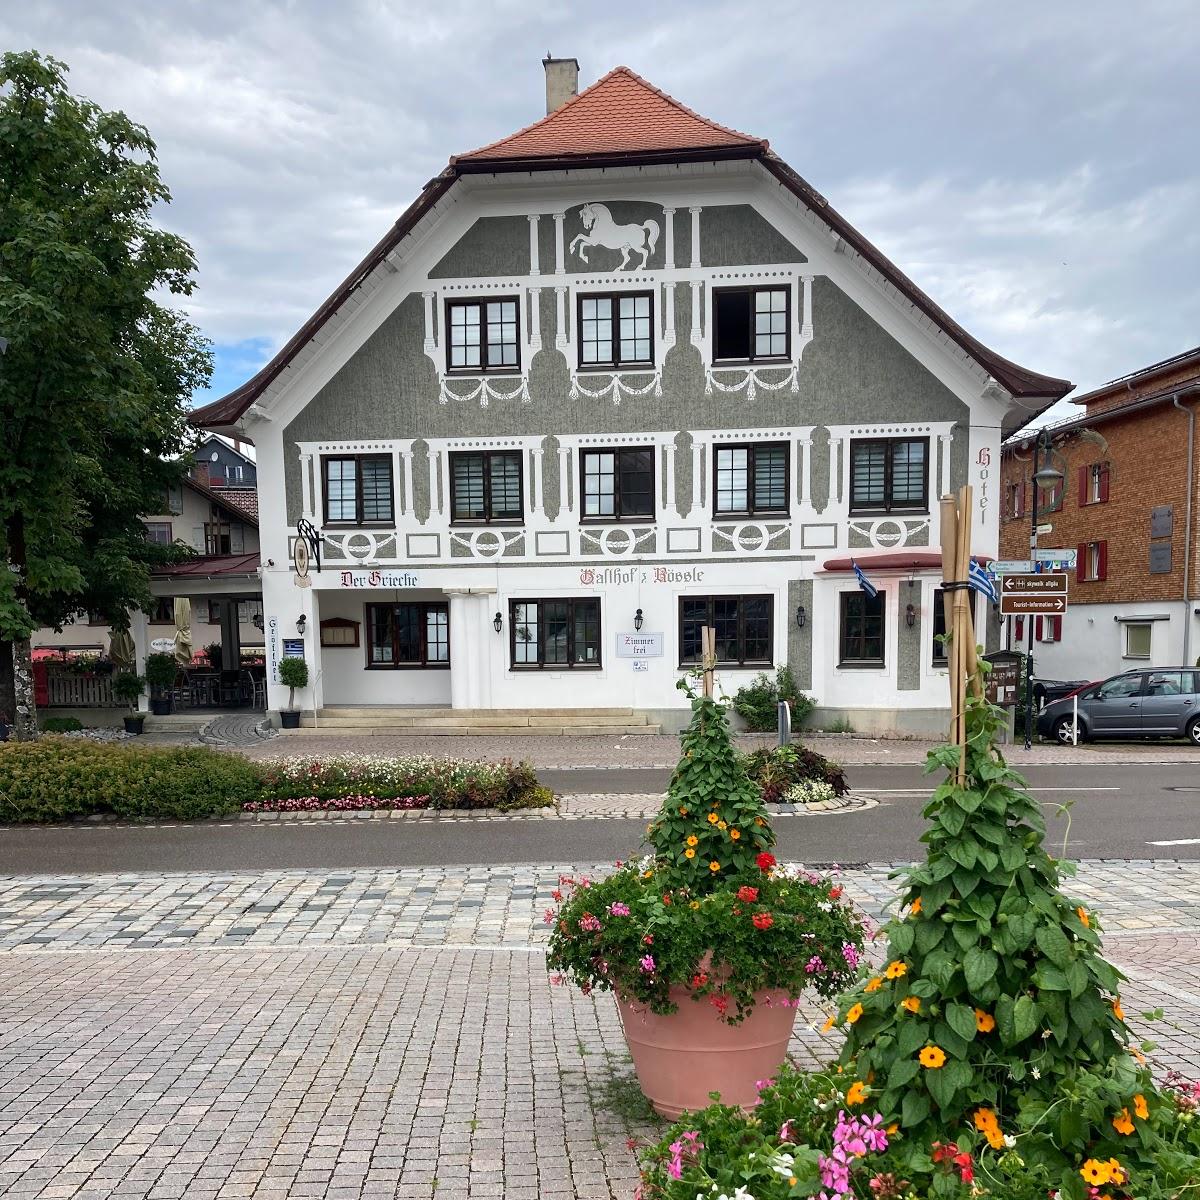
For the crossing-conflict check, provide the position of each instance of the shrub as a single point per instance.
(61, 724)
(293, 674)
(128, 686)
(776, 768)
(810, 791)
(161, 670)
(757, 702)
(442, 782)
(55, 780)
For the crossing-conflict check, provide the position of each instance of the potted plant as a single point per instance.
(160, 674)
(293, 674)
(213, 653)
(707, 942)
(129, 686)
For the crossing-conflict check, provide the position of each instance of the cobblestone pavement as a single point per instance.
(365, 1033)
(238, 730)
(648, 750)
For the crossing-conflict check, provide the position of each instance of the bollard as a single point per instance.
(785, 722)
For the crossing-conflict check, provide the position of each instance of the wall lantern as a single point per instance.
(637, 620)
(257, 621)
(301, 622)
(497, 622)
(910, 616)
(801, 616)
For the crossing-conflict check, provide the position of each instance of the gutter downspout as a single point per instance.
(1187, 525)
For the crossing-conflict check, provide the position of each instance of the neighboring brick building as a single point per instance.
(1126, 511)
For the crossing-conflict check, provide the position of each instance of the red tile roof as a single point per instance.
(225, 498)
(619, 114)
(244, 498)
(204, 565)
(622, 119)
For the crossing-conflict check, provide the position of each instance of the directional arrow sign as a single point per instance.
(1011, 566)
(1065, 556)
(1015, 606)
(1048, 583)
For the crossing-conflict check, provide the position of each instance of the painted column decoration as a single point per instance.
(806, 321)
(533, 246)
(669, 244)
(669, 479)
(697, 337)
(559, 267)
(432, 456)
(804, 492)
(306, 497)
(430, 340)
(564, 478)
(944, 440)
(535, 481)
(534, 324)
(697, 478)
(695, 235)
(560, 334)
(668, 322)
(407, 456)
(835, 481)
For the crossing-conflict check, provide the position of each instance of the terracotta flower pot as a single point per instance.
(682, 1057)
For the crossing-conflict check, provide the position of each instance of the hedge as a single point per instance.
(57, 779)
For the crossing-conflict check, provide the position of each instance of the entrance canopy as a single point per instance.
(895, 560)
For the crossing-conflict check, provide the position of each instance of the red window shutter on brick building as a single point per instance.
(1019, 629)
(1104, 472)
(1102, 567)
(1084, 474)
(1081, 562)
(1038, 629)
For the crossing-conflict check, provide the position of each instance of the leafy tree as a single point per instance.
(97, 373)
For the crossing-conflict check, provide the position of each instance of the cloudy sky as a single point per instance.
(1032, 166)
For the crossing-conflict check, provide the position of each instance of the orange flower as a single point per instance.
(857, 1093)
(829, 1023)
(1123, 1122)
(856, 1011)
(1081, 913)
(683, 812)
(874, 984)
(995, 1139)
(759, 821)
(1116, 1172)
(733, 833)
(893, 1129)
(896, 969)
(912, 1003)
(1138, 1055)
(689, 853)
(932, 1057)
(1118, 1011)
(984, 1022)
(1095, 1172)
(916, 907)
(692, 839)
(722, 826)
(1140, 1107)
(713, 818)
(714, 866)
(985, 1119)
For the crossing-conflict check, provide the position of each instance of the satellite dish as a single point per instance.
(215, 455)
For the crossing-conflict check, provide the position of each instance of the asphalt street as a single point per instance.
(1117, 812)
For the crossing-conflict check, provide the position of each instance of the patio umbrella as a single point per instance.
(121, 649)
(183, 629)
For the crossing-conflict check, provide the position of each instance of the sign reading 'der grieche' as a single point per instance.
(378, 579)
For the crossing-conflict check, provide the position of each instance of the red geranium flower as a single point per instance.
(763, 920)
(765, 861)
(747, 895)
(835, 893)
(699, 979)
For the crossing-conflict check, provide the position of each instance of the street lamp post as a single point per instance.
(1043, 476)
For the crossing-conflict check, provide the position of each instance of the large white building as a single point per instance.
(616, 377)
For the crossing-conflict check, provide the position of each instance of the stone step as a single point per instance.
(498, 721)
(350, 729)
(406, 711)
(177, 722)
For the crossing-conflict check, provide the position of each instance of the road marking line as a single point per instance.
(926, 791)
(1177, 842)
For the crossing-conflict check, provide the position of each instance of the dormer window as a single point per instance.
(484, 335)
(751, 324)
(616, 331)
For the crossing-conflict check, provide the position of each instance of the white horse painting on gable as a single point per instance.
(601, 230)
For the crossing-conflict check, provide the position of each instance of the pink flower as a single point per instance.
(557, 980)
(814, 964)
(548, 916)
(785, 1132)
(589, 923)
(762, 1084)
(648, 963)
(675, 1166)
(618, 909)
(850, 954)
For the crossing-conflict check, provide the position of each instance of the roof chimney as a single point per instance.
(562, 81)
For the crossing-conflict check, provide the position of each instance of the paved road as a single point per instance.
(1118, 812)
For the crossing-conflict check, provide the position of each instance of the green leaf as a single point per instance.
(1070, 1126)
(939, 967)
(903, 1072)
(900, 938)
(1006, 1024)
(912, 1036)
(979, 968)
(961, 1019)
(915, 1108)
(941, 1087)
(1054, 945)
(1051, 979)
(1025, 1018)
(1077, 977)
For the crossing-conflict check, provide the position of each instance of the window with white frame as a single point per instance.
(750, 480)
(751, 324)
(617, 485)
(484, 335)
(889, 474)
(1137, 639)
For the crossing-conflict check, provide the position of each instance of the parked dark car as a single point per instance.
(1147, 703)
(1046, 690)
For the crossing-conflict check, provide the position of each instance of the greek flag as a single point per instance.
(864, 583)
(981, 581)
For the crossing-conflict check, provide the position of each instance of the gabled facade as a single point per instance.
(611, 379)
(1128, 507)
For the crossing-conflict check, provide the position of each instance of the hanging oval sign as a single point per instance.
(300, 557)
(163, 645)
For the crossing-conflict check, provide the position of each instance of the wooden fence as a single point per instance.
(68, 689)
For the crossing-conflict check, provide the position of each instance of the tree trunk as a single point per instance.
(25, 717)
(8, 695)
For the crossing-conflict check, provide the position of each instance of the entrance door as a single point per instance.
(1115, 707)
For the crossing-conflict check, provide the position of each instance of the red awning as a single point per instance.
(206, 565)
(896, 560)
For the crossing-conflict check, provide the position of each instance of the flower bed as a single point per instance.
(336, 804)
(394, 782)
(775, 769)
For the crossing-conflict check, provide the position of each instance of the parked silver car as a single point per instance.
(1151, 703)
